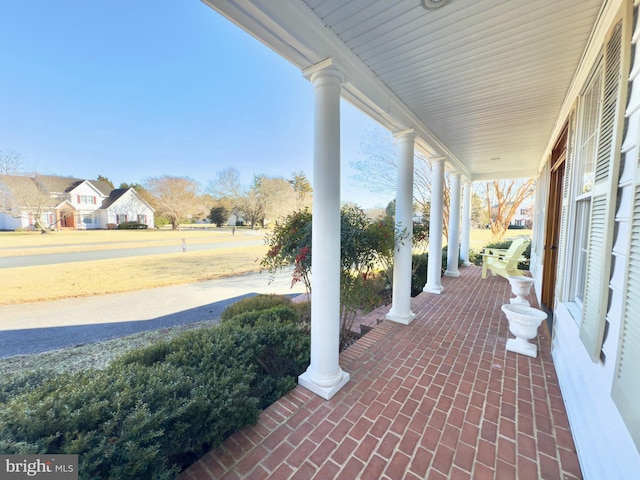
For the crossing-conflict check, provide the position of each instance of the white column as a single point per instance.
(453, 243)
(324, 375)
(466, 222)
(434, 265)
(401, 301)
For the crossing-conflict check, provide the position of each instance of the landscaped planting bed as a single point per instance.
(157, 409)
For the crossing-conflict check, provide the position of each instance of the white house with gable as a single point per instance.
(68, 203)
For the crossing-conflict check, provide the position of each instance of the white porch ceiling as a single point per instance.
(481, 81)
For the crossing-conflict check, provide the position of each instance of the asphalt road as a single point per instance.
(69, 257)
(44, 326)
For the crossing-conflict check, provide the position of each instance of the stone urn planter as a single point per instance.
(520, 287)
(523, 323)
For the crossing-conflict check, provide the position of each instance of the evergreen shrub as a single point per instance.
(159, 408)
(255, 303)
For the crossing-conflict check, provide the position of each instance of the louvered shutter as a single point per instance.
(626, 385)
(562, 242)
(602, 204)
(626, 381)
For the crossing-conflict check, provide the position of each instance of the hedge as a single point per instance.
(159, 408)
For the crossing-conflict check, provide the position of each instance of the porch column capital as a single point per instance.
(408, 135)
(326, 71)
(437, 161)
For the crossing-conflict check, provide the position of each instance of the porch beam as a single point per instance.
(401, 301)
(324, 376)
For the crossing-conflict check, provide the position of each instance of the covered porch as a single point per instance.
(439, 398)
(483, 90)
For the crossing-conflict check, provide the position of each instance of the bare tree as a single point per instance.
(251, 206)
(378, 172)
(502, 199)
(175, 198)
(10, 162)
(269, 198)
(226, 184)
(278, 196)
(23, 197)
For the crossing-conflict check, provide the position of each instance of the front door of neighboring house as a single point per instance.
(554, 218)
(67, 219)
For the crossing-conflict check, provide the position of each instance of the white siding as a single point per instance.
(132, 206)
(605, 447)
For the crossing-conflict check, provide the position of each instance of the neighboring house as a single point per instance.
(235, 219)
(63, 202)
(524, 215)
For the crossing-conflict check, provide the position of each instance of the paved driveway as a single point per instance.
(43, 326)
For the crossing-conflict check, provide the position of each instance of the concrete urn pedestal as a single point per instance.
(520, 287)
(524, 321)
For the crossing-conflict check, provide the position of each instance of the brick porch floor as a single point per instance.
(438, 399)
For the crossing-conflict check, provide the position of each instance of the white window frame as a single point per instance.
(586, 148)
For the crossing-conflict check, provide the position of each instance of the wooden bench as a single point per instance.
(504, 262)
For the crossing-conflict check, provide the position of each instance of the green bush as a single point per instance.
(255, 303)
(131, 226)
(158, 408)
(419, 270)
(284, 313)
(24, 381)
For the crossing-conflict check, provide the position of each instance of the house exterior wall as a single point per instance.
(87, 201)
(86, 198)
(25, 220)
(595, 343)
(7, 222)
(131, 207)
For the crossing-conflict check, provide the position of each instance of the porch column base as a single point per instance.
(451, 274)
(466, 264)
(437, 289)
(325, 392)
(404, 319)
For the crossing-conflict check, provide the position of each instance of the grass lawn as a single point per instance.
(35, 243)
(51, 282)
(48, 282)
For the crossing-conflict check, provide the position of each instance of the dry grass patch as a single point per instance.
(93, 355)
(34, 243)
(52, 282)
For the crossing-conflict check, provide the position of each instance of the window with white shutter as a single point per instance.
(603, 194)
(626, 380)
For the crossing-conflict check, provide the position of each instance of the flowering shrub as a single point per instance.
(290, 244)
(366, 248)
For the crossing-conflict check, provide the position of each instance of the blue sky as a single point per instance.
(136, 89)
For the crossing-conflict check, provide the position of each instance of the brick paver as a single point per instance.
(440, 398)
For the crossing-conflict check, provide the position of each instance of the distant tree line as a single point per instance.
(179, 200)
(493, 203)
